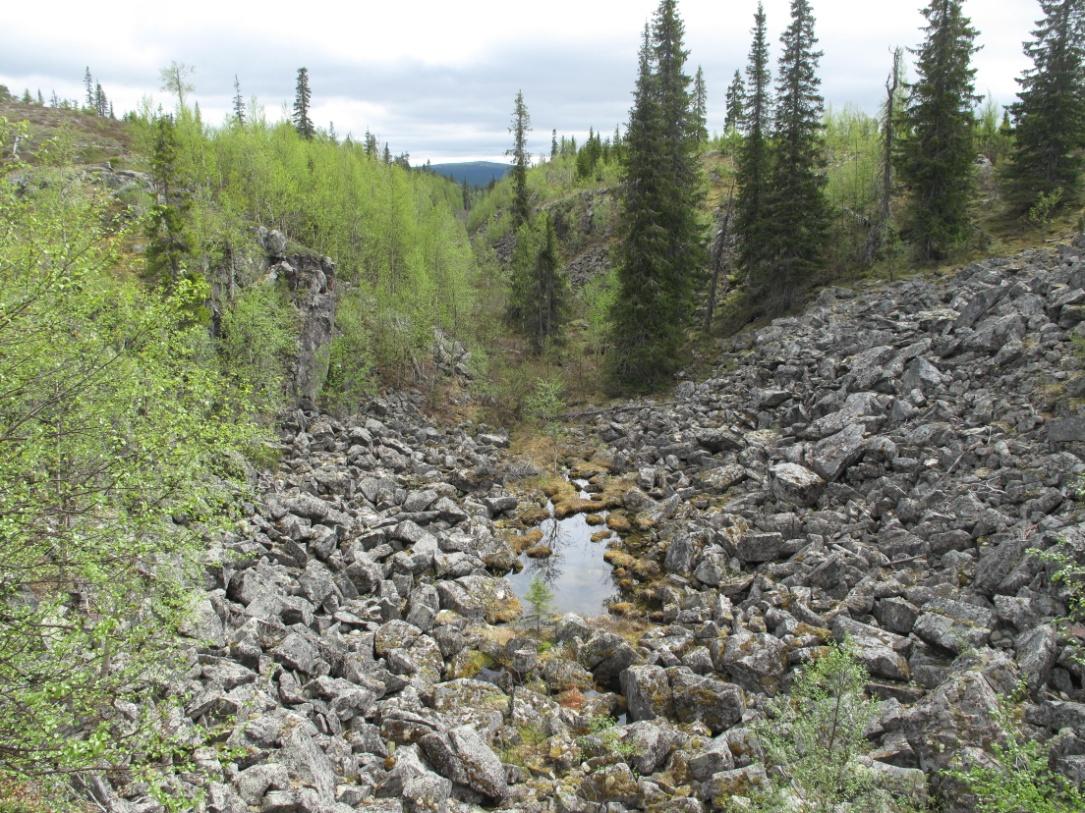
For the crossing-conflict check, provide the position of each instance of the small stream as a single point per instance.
(576, 573)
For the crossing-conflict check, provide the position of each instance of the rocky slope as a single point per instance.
(878, 468)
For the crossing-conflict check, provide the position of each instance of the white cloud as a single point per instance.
(437, 78)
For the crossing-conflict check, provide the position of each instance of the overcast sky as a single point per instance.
(437, 79)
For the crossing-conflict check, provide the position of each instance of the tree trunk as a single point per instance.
(876, 239)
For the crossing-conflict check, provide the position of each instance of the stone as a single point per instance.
(961, 712)
(831, 456)
(754, 548)
(252, 783)
(1037, 651)
(896, 614)
(606, 656)
(651, 745)
(497, 506)
(716, 758)
(308, 765)
(755, 661)
(882, 653)
(954, 625)
(647, 692)
(464, 757)
(718, 440)
(1067, 430)
(736, 782)
(717, 704)
(611, 784)
(722, 478)
(297, 653)
(795, 484)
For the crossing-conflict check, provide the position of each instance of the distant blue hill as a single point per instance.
(476, 173)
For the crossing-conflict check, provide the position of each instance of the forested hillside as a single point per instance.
(686, 466)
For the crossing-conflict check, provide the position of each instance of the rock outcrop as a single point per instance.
(879, 469)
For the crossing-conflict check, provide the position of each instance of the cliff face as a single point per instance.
(311, 281)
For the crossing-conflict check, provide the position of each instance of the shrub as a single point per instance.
(814, 736)
(1019, 776)
(259, 336)
(116, 428)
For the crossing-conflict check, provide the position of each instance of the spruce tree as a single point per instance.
(88, 85)
(540, 290)
(239, 103)
(700, 106)
(167, 227)
(101, 104)
(751, 210)
(935, 158)
(302, 98)
(519, 127)
(661, 255)
(553, 144)
(799, 214)
(41, 99)
(1050, 116)
(735, 104)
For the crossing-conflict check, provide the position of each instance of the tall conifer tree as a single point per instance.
(662, 242)
(1050, 115)
(167, 227)
(239, 103)
(520, 127)
(799, 213)
(88, 86)
(302, 99)
(540, 290)
(700, 106)
(735, 104)
(935, 158)
(751, 210)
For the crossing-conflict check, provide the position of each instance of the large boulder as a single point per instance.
(464, 757)
(647, 692)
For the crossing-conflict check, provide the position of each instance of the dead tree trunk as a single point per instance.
(876, 239)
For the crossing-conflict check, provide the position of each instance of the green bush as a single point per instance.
(545, 401)
(258, 339)
(349, 379)
(116, 428)
(1018, 777)
(814, 736)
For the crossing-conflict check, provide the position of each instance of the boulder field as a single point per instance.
(883, 468)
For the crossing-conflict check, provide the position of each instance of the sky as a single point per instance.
(438, 79)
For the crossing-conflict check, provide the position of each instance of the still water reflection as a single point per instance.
(576, 572)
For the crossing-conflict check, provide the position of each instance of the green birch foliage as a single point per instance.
(1050, 116)
(936, 154)
(752, 207)
(114, 427)
(798, 211)
(394, 234)
(662, 252)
